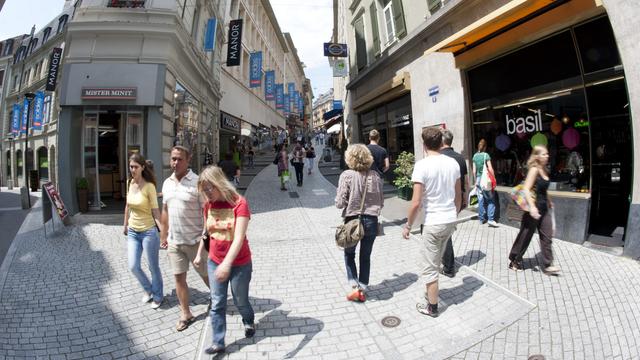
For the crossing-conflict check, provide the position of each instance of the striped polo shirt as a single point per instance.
(185, 209)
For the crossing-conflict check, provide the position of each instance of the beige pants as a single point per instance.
(434, 239)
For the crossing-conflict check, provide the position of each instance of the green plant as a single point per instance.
(82, 183)
(403, 170)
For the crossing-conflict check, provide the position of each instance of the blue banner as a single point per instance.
(25, 116)
(287, 105)
(255, 69)
(210, 35)
(269, 83)
(296, 101)
(279, 96)
(291, 87)
(15, 120)
(337, 104)
(38, 110)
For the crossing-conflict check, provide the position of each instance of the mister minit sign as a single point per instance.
(128, 93)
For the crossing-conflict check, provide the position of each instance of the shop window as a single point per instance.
(597, 45)
(547, 65)
(19, 163)
(560, 122)
(43, 163)
(187, 119)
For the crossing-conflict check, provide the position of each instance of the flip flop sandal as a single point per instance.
(184, 324)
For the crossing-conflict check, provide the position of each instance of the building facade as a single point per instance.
(261, 89)
(322, 105)
(516, 73)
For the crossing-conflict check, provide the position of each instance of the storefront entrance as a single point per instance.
(611, 161)
(105, 154)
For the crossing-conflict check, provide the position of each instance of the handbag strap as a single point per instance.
(365, 193)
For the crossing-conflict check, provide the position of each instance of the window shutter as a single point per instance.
(434, 5)
(374, 29)
(398, 19)
(361, 45)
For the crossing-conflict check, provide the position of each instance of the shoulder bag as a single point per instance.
(351, 232)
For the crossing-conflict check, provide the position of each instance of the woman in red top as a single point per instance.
(226, 217)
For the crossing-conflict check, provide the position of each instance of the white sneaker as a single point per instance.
(155, 304)
(146, 298)
(492, 223)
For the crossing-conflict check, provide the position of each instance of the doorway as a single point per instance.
(612, 159)
(105, 155)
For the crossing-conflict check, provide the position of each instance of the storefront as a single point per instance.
(230, 132)
(567, 91)
(394, 121)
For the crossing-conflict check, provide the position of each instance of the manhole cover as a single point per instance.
(293, 194)
(390, 321)
(536, 357)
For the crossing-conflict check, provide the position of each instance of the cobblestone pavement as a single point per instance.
(72, 296)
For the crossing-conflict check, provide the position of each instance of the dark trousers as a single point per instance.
(299, 171)
(448, 264)
(527, 228)
(370, 224)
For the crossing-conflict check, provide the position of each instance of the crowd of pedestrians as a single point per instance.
(203, 216)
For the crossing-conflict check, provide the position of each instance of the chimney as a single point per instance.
(33, 30)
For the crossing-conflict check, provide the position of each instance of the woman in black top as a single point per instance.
(538, 215)
(311, 154)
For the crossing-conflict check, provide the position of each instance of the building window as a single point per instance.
(46, 34)
(435, 5)
(374, 28)
(126, 3)
(187, 119)
(25, 77)
(388, 22)
(1, 77)
(14, 86)
(361, 44)
(62, 22)
(8, 47)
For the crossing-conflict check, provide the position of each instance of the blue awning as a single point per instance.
(331, 113)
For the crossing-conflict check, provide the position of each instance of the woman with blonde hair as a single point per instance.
(538, 215)
(140, 216)
(355, 184)
(226, 218)
(485, 197)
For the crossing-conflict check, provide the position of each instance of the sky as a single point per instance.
(310, 23)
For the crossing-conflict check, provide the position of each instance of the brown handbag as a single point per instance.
(351, 232)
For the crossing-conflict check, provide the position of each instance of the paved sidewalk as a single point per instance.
(71, 295)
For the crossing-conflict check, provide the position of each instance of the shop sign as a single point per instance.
(109, 93)
(230, 123)
(335, 49)
(56, 201)
(54, 66)
(524, 124)
(210, 35)
(581, 124)
(337, 105)
(433, 92)
(340, 68)
(235, 43)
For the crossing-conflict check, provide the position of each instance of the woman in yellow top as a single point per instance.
(140, 216)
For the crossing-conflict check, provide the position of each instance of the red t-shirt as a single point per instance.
(221, 222)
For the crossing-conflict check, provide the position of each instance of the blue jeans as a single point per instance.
(240, 278)
(486, 198)
(149, 242)
(366, 245)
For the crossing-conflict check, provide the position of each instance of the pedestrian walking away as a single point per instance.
(539, 215)
(250, 156)
(231, 169)
(486, 198)
(140, 215)
(226, 217)
(380, 155)
(448, 262)
(282, 158)
(354, 184)
(182, 224)
(311, 155)
(298, 162)
(436, 179)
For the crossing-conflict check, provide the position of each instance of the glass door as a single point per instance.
(90, 158)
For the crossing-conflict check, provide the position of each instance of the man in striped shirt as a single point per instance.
(182, 217)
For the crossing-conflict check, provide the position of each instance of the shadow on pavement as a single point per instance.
(460, 293)
(471, 257)
(279, 323)
(386, 289)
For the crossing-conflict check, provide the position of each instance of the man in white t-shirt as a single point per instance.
(182, 216)
(436, 187)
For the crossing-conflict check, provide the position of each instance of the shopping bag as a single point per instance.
(552, 214)
(485, 181)
(473, 198)
(518, 196)
(285, 175)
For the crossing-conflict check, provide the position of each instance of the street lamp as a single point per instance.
(29, 96)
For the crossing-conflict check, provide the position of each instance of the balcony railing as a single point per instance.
(126, 3)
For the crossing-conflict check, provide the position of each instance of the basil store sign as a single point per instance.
(109, 93)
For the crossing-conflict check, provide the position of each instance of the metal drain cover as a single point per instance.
(390, 321)
(537, 357)
(293, 194)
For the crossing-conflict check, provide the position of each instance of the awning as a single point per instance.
(495, 23)
(331, 114)
(334, 129)
(332, 121)
(391, 89)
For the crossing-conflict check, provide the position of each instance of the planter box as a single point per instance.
(405, 193)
